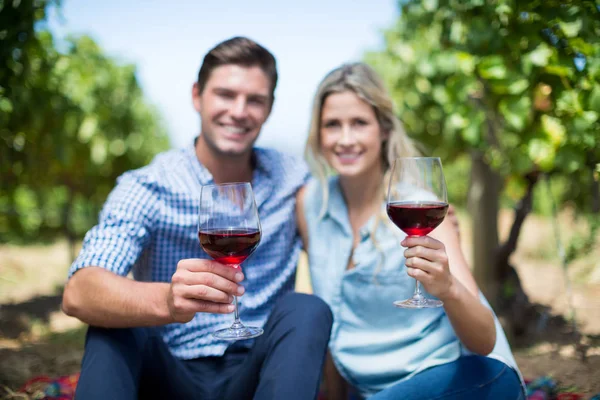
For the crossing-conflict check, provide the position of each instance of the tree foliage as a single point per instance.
(517, 80)
(71, 121)
(515, 86)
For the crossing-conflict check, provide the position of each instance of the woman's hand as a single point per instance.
(427, 262)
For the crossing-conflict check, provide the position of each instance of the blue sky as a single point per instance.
(168, 41)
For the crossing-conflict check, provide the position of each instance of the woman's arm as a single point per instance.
(300, 219)
(438, 263)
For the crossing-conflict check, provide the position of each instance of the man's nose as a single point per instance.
(239, 108)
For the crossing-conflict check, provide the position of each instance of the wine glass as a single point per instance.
(229, 231)
(417, 203)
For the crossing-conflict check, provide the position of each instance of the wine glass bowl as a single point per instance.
(229, 231)
(417, 203)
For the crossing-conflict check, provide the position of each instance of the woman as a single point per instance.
(357, 262)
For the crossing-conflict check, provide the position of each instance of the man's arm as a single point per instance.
(101, 298)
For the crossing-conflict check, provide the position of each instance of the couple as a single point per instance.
(149, 337)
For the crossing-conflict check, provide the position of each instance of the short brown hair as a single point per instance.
(238, 51)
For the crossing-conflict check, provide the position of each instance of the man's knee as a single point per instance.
(308, 310)
(120, 339)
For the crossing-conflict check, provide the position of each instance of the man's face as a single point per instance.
(233, 106)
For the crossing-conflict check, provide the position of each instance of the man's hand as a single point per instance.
(201, 285)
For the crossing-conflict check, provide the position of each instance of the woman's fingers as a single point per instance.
(425, 241)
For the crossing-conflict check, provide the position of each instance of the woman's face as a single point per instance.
(350, 135)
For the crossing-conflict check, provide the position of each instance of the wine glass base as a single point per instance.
(246, 332)
(418, 303)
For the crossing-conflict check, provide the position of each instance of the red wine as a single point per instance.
(229, 246)
(417, 219)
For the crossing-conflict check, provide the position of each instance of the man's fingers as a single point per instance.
(207, 293)
(210, 280)
(210, 266)
(192, 305)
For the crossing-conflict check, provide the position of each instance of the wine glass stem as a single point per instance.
(236, 314)
(417, 290)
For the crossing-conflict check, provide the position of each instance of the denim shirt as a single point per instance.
(375, 345)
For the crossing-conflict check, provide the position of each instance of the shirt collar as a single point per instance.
(262, 177)
(337, 210)
(336, 205)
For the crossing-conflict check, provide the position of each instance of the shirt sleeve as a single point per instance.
(123, 229)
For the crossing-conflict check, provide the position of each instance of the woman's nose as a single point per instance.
(347, 136)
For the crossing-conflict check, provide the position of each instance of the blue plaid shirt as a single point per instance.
(149, 223)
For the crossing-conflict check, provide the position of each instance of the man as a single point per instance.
(151, 337)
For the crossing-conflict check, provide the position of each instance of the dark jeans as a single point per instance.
(284, 363)
(470, 377)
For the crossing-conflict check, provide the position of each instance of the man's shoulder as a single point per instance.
(161, 169)
(275, 155)
(281, 163)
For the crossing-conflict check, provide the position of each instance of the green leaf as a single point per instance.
(405, 52)
(594, 98)
(456, 121)
(471, 134)
(466, 62)
(6, 105)
(87, 129)
(571, 29)
(458, 32)
(518, 86)
(423, 85)
(585, 121)
(542, 153)
(516, 112)
(569, 160)
(430, 5)
(559, 70)
(492, 67)
(554, 129)
(541, 55)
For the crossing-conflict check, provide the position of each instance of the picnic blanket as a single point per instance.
(63, 388)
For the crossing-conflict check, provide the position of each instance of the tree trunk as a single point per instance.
(483, 203)
(512, 301)
(595, 194)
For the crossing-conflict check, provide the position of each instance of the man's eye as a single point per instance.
(257, 101)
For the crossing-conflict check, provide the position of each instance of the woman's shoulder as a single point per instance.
(316, 193)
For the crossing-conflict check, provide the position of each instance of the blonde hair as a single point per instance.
(363, 81)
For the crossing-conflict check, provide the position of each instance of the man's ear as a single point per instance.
(271, 106)
(196, 97)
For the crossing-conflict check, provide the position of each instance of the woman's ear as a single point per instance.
(385, 135)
